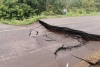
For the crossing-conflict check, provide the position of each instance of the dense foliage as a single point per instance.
(21, 9)
(17, 11)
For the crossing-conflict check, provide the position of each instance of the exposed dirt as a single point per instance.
(92, 61)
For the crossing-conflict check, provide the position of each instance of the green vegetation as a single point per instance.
(23, 12)
(22, 22)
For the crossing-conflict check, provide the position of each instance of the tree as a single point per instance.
(0, 2)
(89, 5)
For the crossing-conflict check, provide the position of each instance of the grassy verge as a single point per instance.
(36, 18)
(71, 14)
(22, 22)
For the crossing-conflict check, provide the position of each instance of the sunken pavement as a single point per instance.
(34, 46)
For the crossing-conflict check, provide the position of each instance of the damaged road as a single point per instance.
(35, 44)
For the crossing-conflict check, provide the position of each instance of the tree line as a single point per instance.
(21, 9)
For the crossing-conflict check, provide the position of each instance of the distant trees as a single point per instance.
(89, 5)
(20, 9)
(85, 5)
(45, 5)
(97, 3)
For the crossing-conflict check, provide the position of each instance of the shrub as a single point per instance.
(47, 13)
(16, 11)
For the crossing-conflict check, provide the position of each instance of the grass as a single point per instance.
(71, 14)
(22, 22)
(36, 18)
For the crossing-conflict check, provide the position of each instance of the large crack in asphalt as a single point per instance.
(67, 48)
(71, 32)
(33, 30)
(80, 36)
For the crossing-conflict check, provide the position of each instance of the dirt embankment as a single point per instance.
(91, 61)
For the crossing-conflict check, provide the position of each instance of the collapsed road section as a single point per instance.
(36, 47)
(76, 34)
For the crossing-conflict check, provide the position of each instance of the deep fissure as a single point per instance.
(80, 36)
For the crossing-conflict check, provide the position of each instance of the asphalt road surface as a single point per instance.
(22, 46)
